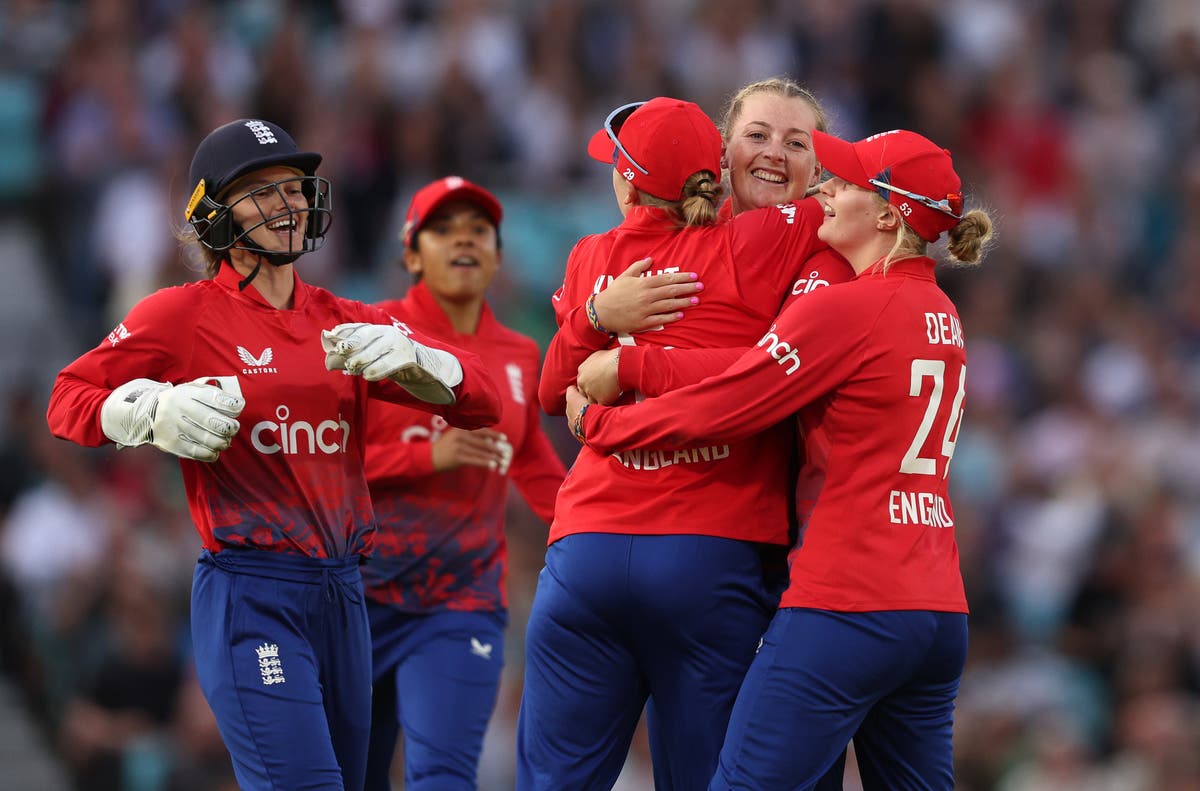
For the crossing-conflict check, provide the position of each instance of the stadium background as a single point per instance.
(1077, 475)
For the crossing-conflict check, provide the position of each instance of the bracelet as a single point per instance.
(593, 319)
(577, 426)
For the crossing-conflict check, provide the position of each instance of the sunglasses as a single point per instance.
(951, 204)
(613, 124)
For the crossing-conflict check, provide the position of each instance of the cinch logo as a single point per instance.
(328, 436)
(780, 350)
(806, 285)
(257, 365)
(437, 425)
(119, 334)
(262, 132)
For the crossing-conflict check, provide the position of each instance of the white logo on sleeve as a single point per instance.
(481, 650)
(781, 350)
(269, 665)
(805, 285)
(119, 334)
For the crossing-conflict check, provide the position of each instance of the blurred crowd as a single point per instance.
(1076, 479)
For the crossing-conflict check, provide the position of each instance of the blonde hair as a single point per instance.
(195, 255)
(970, 237)
(779, 86)
(965, 242)
(698, 201)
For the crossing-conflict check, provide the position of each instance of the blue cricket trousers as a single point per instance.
(618, 620)
(437, 675)
(283, 655)
(887, 679)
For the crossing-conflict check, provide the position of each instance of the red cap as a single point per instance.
(906, 161)
(434, 194)
(669, 139)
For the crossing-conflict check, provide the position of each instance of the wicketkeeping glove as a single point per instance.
(191, 420)
(383, 351)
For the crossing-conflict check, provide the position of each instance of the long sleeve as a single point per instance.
(141, 346)
(74, 410)
(765, 385)
(570, 346)
(653, 370)
(398, 462)
(477, 403)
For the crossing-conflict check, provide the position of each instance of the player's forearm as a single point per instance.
(74, 410)
(571, 345)
(654, 371)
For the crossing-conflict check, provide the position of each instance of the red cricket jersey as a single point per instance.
(728, 489)
(877, 370)
(440, 543)
(292, 479)
(654, 370)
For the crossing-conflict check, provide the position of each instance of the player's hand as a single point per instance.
(597, 377)
(633, 303)
(191, 420)
(383, 351)
(576, 401)
(480, 448)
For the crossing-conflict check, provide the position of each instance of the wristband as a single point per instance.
(593, 319)
(577, 426)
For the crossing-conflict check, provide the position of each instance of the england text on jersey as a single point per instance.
(639, 459)
(918, 508)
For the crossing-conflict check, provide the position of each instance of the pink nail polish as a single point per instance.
(695, 300)
(699, 286)
(695, 275)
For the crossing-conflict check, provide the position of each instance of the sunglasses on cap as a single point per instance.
(951, 204)
(613, 124)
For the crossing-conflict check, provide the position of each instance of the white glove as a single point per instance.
(191, 420)
(505, 449)
(383, 351)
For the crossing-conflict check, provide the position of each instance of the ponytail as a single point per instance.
(967, 239)
(699, 199)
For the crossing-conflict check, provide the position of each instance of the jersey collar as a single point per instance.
(645, 218)
(920, 267)
(423, 303)
(228, 278)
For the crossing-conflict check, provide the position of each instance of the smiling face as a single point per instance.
(456, 252)
(858, 224)
(279, 210)
(769, 151)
